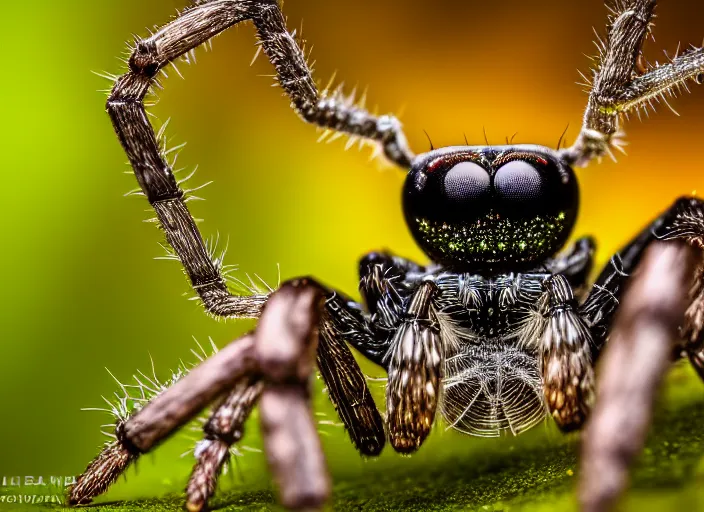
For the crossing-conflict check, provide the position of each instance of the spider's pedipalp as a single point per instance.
(566, 358)
(415, 366)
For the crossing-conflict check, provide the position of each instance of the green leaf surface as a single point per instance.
(535, 472)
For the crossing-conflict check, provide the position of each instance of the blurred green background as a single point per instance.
(81, 288)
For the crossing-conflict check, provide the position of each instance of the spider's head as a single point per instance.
(490, 208)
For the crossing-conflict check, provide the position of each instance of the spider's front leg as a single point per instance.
(623, 82)
(664, 300)
(280, 355)
(155, 176)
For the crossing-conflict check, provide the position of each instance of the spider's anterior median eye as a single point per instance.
(490, 208)
(519, 182)
(467, 181)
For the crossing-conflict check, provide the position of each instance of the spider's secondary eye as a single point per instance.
(519, 182)
(467, 181)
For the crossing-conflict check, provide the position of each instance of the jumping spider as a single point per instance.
(491, 335)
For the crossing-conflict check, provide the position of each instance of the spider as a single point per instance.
(496, 334)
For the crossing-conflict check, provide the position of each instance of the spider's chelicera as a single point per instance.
(497, 333)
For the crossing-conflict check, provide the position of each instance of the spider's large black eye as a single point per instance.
(490, 209)
(466, 182)
(520, 183)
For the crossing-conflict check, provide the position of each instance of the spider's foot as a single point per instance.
(101, 473)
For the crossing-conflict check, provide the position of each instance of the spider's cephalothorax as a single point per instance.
(490, 208)
(494, 334)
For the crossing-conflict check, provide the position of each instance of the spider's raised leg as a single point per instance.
(280, 353)
(622, 82)
(127, 111)
(126, 107)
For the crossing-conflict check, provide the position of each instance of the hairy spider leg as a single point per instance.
(684, 220)
(279, 354)
(156, 179)
(644, 358)
(639, 352)
(224, 428)
(620, 85)
(126, 107)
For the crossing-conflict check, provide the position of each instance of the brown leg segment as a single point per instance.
(163, 415)
(287, 338)
(280, 357)
(636, 357)
(224, 428)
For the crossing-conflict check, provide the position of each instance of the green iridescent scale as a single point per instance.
(493, 239)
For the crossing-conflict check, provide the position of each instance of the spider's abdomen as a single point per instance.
(490, 329)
